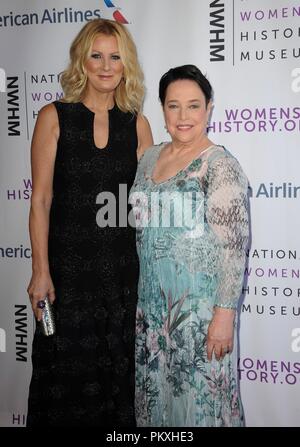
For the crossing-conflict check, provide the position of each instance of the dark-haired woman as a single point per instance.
(190, 203)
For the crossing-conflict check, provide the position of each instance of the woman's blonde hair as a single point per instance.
(129, 94)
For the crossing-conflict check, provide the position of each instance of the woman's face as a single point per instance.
(104, 67)
(185, 111)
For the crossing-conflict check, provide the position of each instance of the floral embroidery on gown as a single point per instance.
(186, 268)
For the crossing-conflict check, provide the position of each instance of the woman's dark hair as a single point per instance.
(190, 72)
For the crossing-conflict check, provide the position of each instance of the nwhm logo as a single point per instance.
(217, 31)
(21, 332)
(13, 106)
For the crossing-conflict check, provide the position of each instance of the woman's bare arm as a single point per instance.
(43, 152)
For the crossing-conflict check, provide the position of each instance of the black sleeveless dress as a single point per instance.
(84, 375)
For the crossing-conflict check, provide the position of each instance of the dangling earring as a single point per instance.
(165, 126)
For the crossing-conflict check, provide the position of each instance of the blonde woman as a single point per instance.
(83, 146)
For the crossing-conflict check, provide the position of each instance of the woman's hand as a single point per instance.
(220, 333)
(40, 286)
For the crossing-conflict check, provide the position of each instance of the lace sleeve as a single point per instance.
(227, 216)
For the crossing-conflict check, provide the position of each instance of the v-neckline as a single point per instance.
(107, 146)
(180, 170)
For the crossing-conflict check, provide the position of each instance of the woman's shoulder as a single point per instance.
(221, 160)
(219, 152)
(155, 147)
(150, 152)
(216, 152)
(47, 113)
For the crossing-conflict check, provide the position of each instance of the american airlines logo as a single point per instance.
(117, 15)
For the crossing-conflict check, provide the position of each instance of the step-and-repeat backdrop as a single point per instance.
(250, 51)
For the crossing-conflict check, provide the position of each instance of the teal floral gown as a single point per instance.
(192, 232)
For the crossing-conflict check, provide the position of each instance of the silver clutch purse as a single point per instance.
(47, 322)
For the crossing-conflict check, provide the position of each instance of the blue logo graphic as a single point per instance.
(117, 15)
